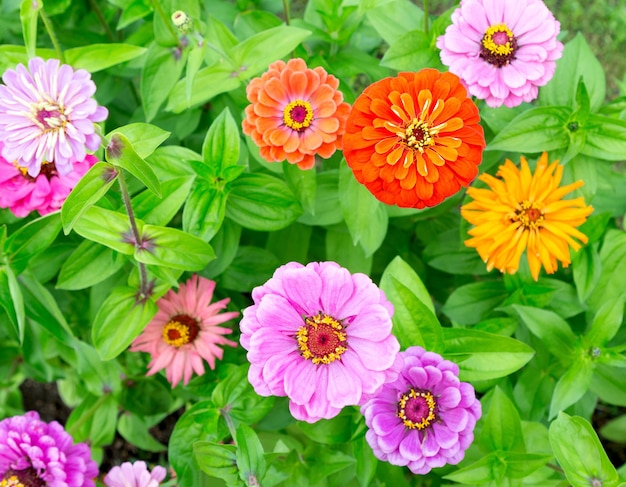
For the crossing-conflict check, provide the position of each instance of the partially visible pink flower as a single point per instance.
(503, 50)
(184, 331)
(44, 193)
(47, 114)
(134, 475)
(35, 453)
(426, 417)
(320, 336)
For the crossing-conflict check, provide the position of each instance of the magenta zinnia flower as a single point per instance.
(35, 453)
(320, 336)
(503, 50)
(426, 417)
(134, 475)
(44, 193)
(47, 114)
(184, 331)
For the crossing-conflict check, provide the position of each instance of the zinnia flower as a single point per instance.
(414, 140)
(44, 193)
(503, 50)
(295, 113)
(134, 475)
(320, 336)
(524, 211)
(426, 417)
(47, 115)
(35, 453)
(184, 331)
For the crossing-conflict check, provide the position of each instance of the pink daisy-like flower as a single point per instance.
(47, 114)
(184, 331)
(295, 113)
(503, 50)
(35, 453)
(44, 193)
(426, 417)
(134, 475)
(320, 336)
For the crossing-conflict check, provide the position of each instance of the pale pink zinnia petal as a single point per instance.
(134, 475)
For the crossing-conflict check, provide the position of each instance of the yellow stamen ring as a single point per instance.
(411, 396)
(298, 115)
(322, 339)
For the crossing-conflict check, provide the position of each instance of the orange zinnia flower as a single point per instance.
(414, 140)
(524, 211)
(295, 113)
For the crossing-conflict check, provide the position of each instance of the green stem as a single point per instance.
(426, 17)
(144, 288)
(556, 468)
(107, 29)
(166, 20)
(229, 422)
(286, 11)
(50, 29)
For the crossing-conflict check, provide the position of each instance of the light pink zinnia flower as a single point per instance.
(184, 331)
(47, 115)
(134, 475)
(503, 50)
(44, 193)
(320, 336)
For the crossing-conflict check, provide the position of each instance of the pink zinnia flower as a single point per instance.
(184, 331)
(295, 113)
(33, 452)
(134, 475)
(503, 50)
(47, 114)
(426, 417)
(320, 336)
(44, 193)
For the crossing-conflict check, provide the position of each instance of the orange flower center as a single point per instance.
(529, 215)
(180, 330)
(298, 115)
(322, 339)
(22, 478)
(498, 45)
(417, 409)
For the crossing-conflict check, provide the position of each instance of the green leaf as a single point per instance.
(502, 427)
(445, 251)
(161, 71)
(607, 322)
(478, 473)
(404, 273)
(121, 153)
(366, 462)
(221, 144)
(107, 228)
(217, 460)
(335, 431)
(250, 461)
(304, 185)
(578, 61)
(586, 268)
(96, 57)
(208, 83)
(134, 430)
(195, 59)
(251, 267)
(615, 429)
(605, 138)
(612, 281)
(484, 356)
(580, 453)
(12, 301)
(364, 215)
(262, 202)
(572, 385)
(411, 52)
(90, 188)
(29, 11)
(156, 210)
(392, 19)
(339, 248)
(327, 207)
(31, 239)
(132, 397)
(89, 264)
(120, 319)
(144, 137)
(535, 130)
(609, 383)
(94, 419)
(225, 244)
(474, 302)
(553, 331)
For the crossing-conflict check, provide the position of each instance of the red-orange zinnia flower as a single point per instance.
(295, 113)
(414, 140)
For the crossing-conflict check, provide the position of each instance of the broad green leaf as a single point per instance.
(484, 356)
(144, 137)
(404, 273)
(572, 385)
(120, 319)
(605, 138)
(340, 249)
(89, 264)
(612, 281)
(94, 420)
(204, 210)
(609, 383)
(445, 251)
(580, 453)
(156, 210)
(262, 202)
(411, 52)
(31, 239)
(250, 461)
(99, 377)
(578, 61)
(12, 301)
(304, 185)
(366, 462)
(174, 248)
(132, 397)
(392, 19)
(96, 57)
(327, 207)
(208, 83)
(251, 267)
(195, 59)
(161, 71)
(121, 153)
(91, 187)
(478, 473)
(502, 428)
(225, 243)
(335, 431)
(615, 429)
(132, 10)
(554, 332)
(607, 322)
(364, 215)
(107, 228)
(587, 267)
(474, 302)
(535, 130)
(134, 430)
(218, 460)
(291, 243)
(29, 11)
(221, 144)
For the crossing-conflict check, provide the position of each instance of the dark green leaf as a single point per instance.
(134, 393)
(134, 430)
(304, 185)
(225, 244)
(339, 248)
(161, 71)
(327, 205)
(251, 267)
(586, 269)
(609, 383)
(392, 19)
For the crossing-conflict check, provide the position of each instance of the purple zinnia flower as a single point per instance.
(35, 453)
(134, 475)
(503, 50)
(320, 336)
(47, 115)
(426, 417)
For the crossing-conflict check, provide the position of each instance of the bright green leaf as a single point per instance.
(96, 57)
(121, 153)
(174, 248)
(572, 385)
(89, 264)
(250, 461)
(107, 228)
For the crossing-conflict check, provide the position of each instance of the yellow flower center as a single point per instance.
(322, 339)
(12, 481)
(529, 215)
(498, 45)
(180, 330)
(298, 115)
(418, 134)
(22, 478)
(417, 409)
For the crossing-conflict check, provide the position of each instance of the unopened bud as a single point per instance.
(182, 21)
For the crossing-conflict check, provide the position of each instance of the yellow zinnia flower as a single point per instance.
(525, 211)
